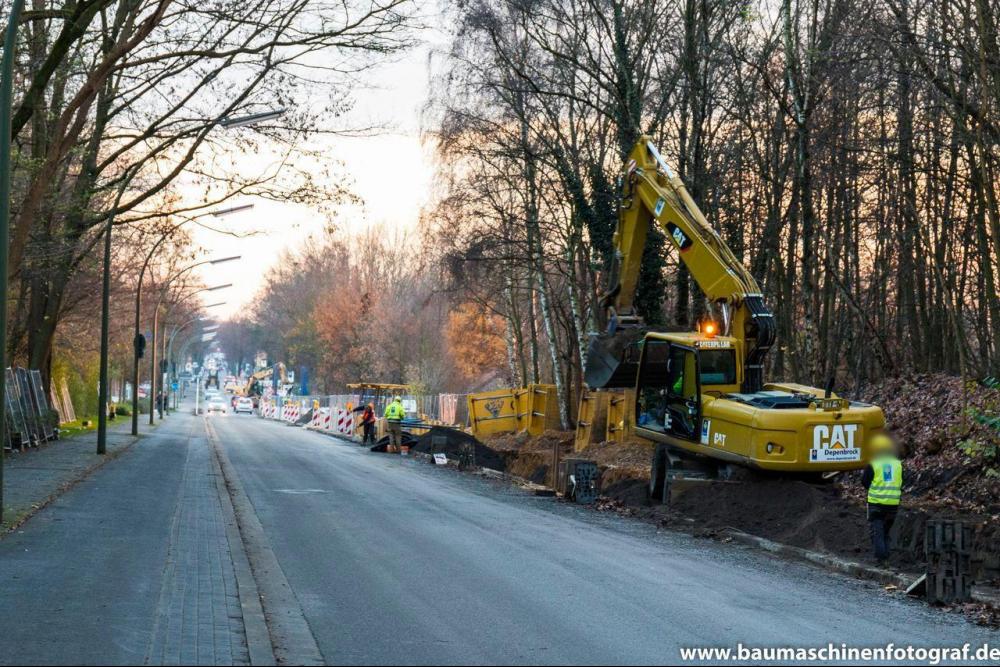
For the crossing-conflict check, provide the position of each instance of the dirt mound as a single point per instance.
(804, 515)
(453, 442)
(625, 492)
(382, 446)
(932, 417)
(523, 442)
(530, 456)
(633, 454)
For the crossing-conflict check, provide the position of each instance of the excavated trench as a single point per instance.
(821, 517)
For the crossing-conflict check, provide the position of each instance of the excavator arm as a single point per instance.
(652, 194)
(255, 382)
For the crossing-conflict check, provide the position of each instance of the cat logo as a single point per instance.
(719, 439)
(678, 236)
(836, 436)
(834, 442)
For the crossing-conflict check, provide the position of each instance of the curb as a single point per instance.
(852, 568)
(855, 569)
(289, 638)
(254, 624)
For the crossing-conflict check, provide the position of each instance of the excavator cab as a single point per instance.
(668, 399)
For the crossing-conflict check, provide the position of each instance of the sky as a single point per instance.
(393, 99)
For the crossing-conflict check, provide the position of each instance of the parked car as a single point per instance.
(244, 405)
(217, 405)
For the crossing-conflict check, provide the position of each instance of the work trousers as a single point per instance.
(369, 433)
(880, 521)
(395, 434)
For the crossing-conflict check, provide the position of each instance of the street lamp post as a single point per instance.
(227, 122)
(168, 341)
(6, 92)
(102, 389)
(156, 317)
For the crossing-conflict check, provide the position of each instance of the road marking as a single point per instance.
(300, 492)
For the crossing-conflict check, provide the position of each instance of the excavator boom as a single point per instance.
(652, 194)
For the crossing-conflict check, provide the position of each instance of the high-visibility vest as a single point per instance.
(887, 482)
(394, 412)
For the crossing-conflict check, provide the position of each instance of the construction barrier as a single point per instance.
(603, 416)
(532, 409)
(318, 415)
(337, 413)
(591, 418)
(345, 422)
(30, 421)
(62, 403)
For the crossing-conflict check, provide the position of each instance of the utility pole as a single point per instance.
(137, 331)
(102, 390)
(153, 370)
(6, 92)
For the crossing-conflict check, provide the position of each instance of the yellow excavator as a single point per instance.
(702, 394)
(255, 383)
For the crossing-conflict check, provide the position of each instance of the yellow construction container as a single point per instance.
(533, 409)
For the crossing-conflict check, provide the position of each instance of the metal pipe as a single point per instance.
(659, 159)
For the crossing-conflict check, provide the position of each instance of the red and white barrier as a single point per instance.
(320, 417)
(344, 423)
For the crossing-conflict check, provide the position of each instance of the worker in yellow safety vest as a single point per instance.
(883, 478)
(394, 414)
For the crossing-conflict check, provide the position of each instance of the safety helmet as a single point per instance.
(880, 443)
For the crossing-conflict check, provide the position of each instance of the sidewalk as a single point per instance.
(33, 477)
(133, 564)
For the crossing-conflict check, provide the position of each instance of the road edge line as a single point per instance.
(258, 635)
(283, 617)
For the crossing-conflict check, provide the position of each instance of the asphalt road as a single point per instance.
(393, 561)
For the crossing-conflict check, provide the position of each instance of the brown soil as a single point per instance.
(530, 457)
(929, 415)
(926, 413)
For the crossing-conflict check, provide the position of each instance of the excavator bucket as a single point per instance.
(613, 359)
